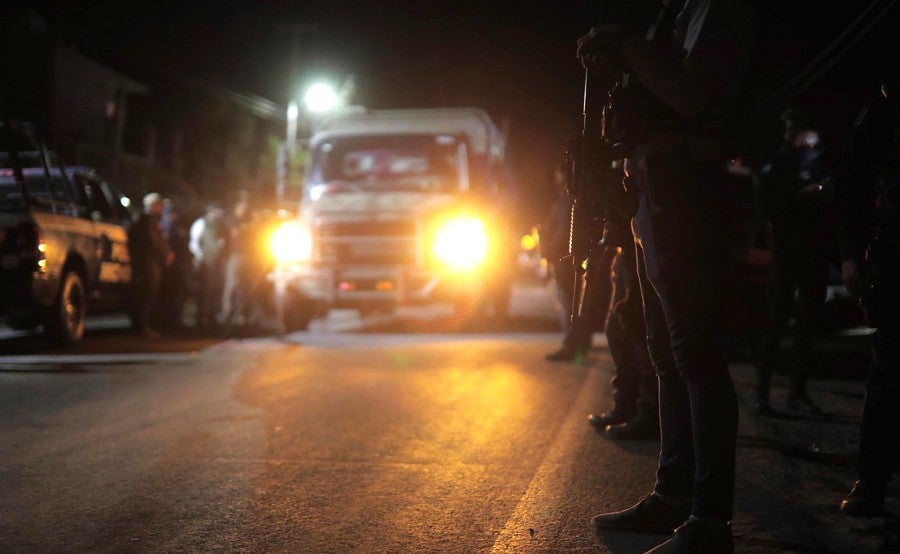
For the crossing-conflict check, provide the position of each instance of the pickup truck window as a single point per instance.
(41, 192)
(98, 202)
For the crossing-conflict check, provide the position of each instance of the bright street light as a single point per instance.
(321, 98)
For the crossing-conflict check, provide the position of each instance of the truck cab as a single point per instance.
(400, 207)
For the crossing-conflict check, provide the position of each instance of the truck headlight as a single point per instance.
(291, 242)
(461, 243)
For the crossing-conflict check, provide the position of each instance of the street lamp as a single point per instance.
(321, 98)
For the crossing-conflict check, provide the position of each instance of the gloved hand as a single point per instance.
(603, 43)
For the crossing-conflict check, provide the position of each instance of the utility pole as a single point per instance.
(292, 113)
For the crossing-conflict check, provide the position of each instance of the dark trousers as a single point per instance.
(145, 293)
(634, 383)
(209, 293)
(879, 433)
(685, 271)
(798, 266)
(595, 299)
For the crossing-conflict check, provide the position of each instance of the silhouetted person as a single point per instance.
(596, 288)
(177, 276)
(867, 192)
(207, 242)
(797, 205)
(635, 410)
(684, 74)
(150, 254)
(236, 261)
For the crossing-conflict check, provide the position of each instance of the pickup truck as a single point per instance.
(399, 207)
(63, 239)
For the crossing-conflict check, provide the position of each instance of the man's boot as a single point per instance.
(613, 417)
(699, 536)
(652, 514)
(644, 426)
(567, 354)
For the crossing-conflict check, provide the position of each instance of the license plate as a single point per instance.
(9, 261)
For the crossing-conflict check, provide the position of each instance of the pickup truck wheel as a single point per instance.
(66, 323)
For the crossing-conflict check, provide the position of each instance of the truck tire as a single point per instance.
(65, 325)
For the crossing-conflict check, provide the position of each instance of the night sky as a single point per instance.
(514, 59)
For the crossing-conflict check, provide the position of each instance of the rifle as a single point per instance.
(593, 184)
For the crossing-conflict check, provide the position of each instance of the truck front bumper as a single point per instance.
(351, 286)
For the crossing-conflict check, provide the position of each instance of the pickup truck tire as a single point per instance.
(65, 325)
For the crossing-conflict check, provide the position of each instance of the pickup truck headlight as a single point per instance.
(461, 243)
(291, 242)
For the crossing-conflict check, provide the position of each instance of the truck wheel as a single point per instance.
(66, 323)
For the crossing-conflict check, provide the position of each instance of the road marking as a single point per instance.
(535, 510)
(95, 359)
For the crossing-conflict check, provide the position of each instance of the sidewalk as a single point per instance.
(793, 471)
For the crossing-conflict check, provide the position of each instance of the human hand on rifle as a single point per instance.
(602, 45)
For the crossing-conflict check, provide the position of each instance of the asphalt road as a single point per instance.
(380, 435)
(356, 436)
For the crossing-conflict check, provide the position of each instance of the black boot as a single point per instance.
(643, 427)
(651, 515)
(863, 501)
(567, 354)
(699, 536)
(613, 417)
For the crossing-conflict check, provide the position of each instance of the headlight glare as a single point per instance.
(291, 242)
(461, 243)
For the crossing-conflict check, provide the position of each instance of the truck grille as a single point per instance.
(348, 229)
(368, 242)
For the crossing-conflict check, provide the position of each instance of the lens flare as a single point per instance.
(461, 243)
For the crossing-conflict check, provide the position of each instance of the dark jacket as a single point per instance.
(146, 242)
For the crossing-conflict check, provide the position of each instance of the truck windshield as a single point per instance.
(428, 163)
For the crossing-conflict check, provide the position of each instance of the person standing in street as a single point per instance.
(207, 244)
(176, 277)
(867, 192)
(685, 74)
(235, 287)
(150, 255)
(796, 201)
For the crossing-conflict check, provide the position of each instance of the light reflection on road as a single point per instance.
(406, 436)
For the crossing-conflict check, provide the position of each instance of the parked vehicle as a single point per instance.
(63, 239)
(400, 207)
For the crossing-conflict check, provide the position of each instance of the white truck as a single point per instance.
(399, 207)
